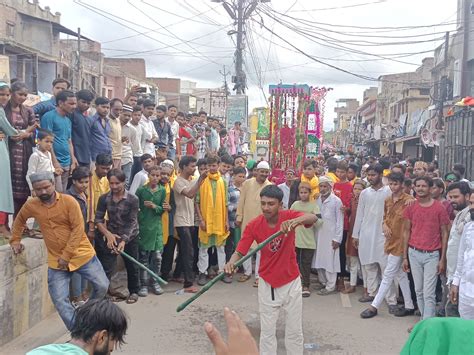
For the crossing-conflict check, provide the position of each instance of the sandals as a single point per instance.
(244, 278)
(350, 289)
(306, 292)
(255, 284)
(191, 289)
(133, 298)
(368, 313)
(325, 292)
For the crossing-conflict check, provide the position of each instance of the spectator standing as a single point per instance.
(81, 128)
(120, 232)
(42, 107)
(115, 134)
(21, 145)
(163, 128)
(149, 135)
(100, 129)
(130, 143)
(57, 121)
(171, 119)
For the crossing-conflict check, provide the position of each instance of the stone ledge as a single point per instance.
(24, 298)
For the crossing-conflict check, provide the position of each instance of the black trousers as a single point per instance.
(195, 235)
(229, 245)
(109, 261)
(342, 256)
(168, 257)
(304, 257)
(136, 167)
(187, 253)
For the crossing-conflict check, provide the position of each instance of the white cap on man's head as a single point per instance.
(263, 165)
(325, 179)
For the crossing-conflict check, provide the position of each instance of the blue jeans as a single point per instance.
(172, 154)
(424, 267)
(78, 284)
(127, 170)
(58, 286)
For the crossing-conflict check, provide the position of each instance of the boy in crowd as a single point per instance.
(100, 129)
(225, 166)
(211, 204)
(135, 123)
(151, 198)
(130, 142)
(142, 177)
(40, 160)
(238, 178)
(305, 241)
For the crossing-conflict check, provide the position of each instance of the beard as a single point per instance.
(45, 197)
(459, 207)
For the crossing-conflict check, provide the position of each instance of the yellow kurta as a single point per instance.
(97, 188)
(333, 177)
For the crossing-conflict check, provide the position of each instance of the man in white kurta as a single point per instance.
(329, 237)
(368, 234)
(462, 288)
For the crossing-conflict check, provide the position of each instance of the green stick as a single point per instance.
(221, 276)
(141, 266)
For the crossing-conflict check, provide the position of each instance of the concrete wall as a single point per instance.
(24, 298)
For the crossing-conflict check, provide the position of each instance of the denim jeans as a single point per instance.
(172, 154)
(127, 170)
(152, 260)
(424, 267)
(58, 286)
(78, 284)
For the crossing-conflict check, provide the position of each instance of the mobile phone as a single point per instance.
(141, 89)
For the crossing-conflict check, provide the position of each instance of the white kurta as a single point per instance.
(368, 225)
(464, 274)
(326, 257)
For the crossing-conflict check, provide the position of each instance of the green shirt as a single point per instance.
(58, 349)
(305, 237)
(149, 219)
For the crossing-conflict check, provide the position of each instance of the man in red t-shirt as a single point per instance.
(280, 284)
(343, 190)
(185, 138)
(425, 241)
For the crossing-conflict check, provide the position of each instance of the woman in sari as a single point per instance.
(20, 146)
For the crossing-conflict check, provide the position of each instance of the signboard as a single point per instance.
(263, 129)
(237, 109)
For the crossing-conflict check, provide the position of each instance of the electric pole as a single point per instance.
(239, 11)
(224, 74)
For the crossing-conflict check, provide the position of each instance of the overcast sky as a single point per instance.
(188, 39)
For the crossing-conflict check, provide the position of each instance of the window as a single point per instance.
(10, 30)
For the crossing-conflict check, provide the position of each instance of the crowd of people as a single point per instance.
(175, 192)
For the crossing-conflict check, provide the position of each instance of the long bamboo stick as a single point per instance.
(221, 276)
(141, 266)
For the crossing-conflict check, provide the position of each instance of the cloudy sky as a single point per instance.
(188, 39)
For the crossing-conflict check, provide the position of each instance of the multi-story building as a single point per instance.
(363, 124)
(30, 38)
(345, 111)
(120, 74)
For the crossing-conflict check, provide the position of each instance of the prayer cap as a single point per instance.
(325, 179)
(263, 165)
(251, 164)
(127, 108)
(167, 162)
(41, 176)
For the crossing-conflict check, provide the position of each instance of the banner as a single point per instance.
(263, 130)
(237, 110)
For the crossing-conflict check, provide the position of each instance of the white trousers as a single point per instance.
(248, 266)
(270, 302)
(203, 261)
(393, 271)
(354, 269)
(374, 272)
(328, 279)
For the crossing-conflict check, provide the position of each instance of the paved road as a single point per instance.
(331, 322)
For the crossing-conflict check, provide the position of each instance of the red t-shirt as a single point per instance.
(184, 133)
(278, 264)
(343, 190)
(426, 225)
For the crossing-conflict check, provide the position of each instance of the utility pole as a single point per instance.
(224, 74)
(239, 11)
(443, 92)
(465, 28)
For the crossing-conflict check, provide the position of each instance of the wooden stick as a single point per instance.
(141, 266)
(221, 276)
